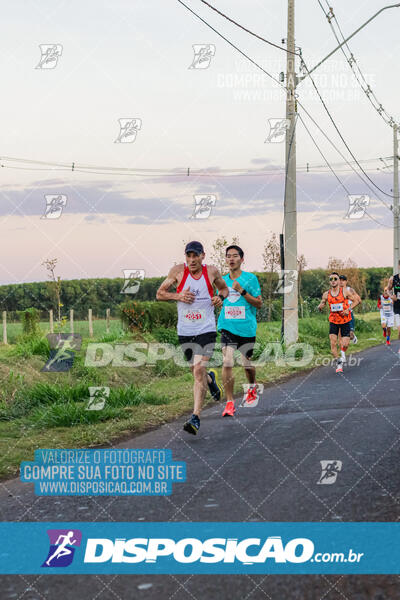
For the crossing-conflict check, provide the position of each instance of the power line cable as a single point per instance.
(248, 30)
(314, 85)
(334, 172)
(351, 60)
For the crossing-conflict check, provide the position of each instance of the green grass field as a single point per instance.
(49, 409)
(82, 327)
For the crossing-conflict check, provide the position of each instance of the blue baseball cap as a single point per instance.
(194, 247)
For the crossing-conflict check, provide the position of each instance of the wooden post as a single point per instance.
(90, 323)
(51, 321)
(107, 320)
(5, 327)
(71, 320)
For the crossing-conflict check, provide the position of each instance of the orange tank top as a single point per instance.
(337, 304)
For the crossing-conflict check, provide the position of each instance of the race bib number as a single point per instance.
(398, 295)
(337, 307)
(235, 312)
(193, 316)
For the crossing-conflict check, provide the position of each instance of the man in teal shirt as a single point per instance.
(238, 325)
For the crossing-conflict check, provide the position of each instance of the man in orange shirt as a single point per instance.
(339, 315)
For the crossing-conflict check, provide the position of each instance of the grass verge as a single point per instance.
(49, 409)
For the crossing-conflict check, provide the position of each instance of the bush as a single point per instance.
(28, 346)
(167, 368)
(30, 319)
(276, 311)
(167, 336)
(146, 316)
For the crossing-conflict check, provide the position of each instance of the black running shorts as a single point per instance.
(202, 345)
(344, 329)
(244, 344)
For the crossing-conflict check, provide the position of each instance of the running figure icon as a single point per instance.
(62, 549)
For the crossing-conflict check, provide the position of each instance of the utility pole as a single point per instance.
(290, 297)
(396, 235)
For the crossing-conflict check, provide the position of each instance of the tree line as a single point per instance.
(101, 293)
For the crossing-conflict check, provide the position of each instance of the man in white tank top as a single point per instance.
(196, 319)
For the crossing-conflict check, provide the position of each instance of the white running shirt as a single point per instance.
(197, 317)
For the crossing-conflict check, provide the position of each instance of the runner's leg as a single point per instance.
(333, 340)
(249, 369)
(227, 372)
(200, 382)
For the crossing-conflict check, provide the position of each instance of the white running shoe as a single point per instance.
(354, 340)
(339, 366)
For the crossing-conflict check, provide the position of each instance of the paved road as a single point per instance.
(264, 465)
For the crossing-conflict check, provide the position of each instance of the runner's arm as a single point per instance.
(323, 301)
(220, 283)
(163, 292)
(390, 284)
(356, 295)
(355, 299)
(221, 286)
(253, 300)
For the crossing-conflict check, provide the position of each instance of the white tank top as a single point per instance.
(198, 317)
(387, 306)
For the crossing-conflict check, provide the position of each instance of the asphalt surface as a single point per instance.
(261, 465)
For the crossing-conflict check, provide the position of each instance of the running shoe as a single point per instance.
(214, 387)
(193, 425)
(339, 366)
(251, 395)
(229, 409)
(354, 340)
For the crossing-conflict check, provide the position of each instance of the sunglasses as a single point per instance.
(333, 279)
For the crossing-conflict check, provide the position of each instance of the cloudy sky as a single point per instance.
(130, 60)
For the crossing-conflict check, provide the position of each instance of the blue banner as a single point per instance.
(99, 472)
(208, 548)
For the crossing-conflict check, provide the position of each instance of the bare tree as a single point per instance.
(219, 251)
(50, 265)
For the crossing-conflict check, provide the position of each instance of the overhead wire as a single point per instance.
(298, 102)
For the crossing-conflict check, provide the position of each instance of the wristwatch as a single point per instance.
(243, 292)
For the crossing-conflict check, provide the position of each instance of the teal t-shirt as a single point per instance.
(237, 315)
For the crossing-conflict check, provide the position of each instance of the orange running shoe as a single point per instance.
(251, 395)
(229, 409)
